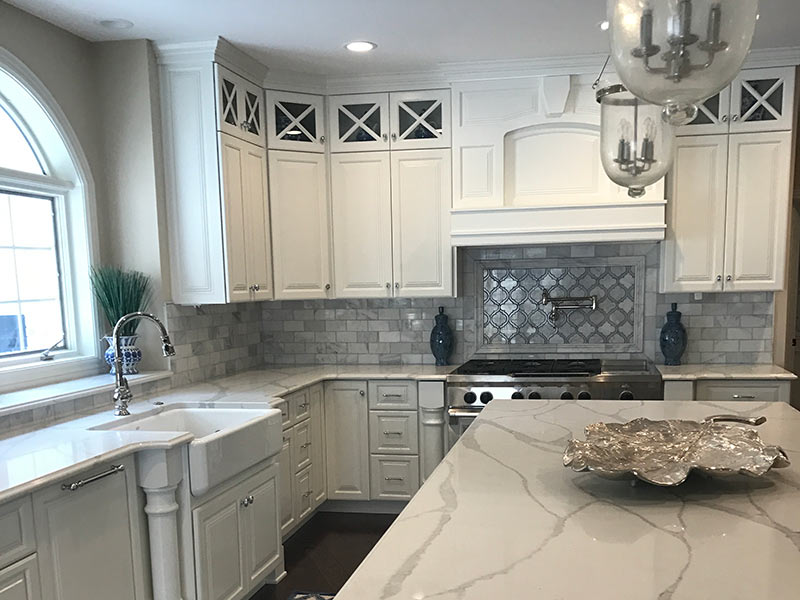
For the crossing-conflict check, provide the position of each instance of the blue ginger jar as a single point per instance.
(441, 339)
(673, 337)
(131, 354)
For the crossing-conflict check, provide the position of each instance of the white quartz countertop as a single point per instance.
(695, 372)
(501, 517)
(54, 453)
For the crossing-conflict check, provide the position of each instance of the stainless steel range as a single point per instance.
(476, 383)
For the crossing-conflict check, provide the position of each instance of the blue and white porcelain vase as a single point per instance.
(441, 339)
(673, 337)
(131, 355)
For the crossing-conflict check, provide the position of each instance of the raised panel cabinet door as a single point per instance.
(713, 116)
(692, 253)
(359, 122)
(295, 122)
(233, 161)
(261, 530)
(86, 543)
(287, 516)
(219, 549)
(422, 257)
(347, 440)
(420, 119)
(16, 530)
(20, 581)
(257, 226)
(318, 479)
(759, 193)
(362, 224)
(393, 432)
(762, 100)
(394, 477)
(300, 225)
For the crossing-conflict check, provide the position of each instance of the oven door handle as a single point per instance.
(463, 413)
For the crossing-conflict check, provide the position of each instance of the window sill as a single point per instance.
(24, 400)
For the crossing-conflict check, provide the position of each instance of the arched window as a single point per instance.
(46, 233)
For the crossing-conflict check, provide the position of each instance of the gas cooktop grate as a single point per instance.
(531, 368)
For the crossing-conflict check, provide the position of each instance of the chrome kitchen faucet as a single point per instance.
(122, 393)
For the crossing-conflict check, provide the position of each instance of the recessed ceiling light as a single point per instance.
(604, 25)
(361, 46)
(116, 23)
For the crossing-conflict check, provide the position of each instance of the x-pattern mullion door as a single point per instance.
(762, 100)
(359, 122)
(712, 116)
(420, 119)
(294, 122)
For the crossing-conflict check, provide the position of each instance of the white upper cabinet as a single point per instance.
(362, 224)
(300, 225)
(295, 122)
(359, 122)
(757, 100)
(420, 119)
(692, 253)
(240, 106)
(728, 213)
(421, 223)
(759, 190)
(396, 121)
(215, 174)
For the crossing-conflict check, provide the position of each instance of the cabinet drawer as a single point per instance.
(393, 477)
(304, 498)
(20, 581)
(285, 408)
(300, 405)
(393, 395)
(393, 432)
(16, 530)
(301, 456)
(721, 391)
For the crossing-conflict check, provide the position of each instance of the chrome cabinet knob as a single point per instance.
(719, 277)
(397, 285)
(388, 285)
(394, 137)
(724, 118)
(728, 278)
(361, 392)
(385, 137)
(251, 499)
(735, 118)
(327, 286)
(246, 502)
(322, 139)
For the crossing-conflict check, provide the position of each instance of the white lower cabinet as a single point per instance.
(87, 535)
(304, 503)
(20, 581)
(728, 390)
(236, 538)
(319, 486)
(393, 477)
(347, 440)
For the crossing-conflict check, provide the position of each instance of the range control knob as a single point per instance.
(584, 395)
(534, 396)
(626, 395)
(470, 397)
(567, 396)
(486, 397)
(517, 396)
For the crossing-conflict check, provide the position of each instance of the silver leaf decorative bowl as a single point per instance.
(665, 452)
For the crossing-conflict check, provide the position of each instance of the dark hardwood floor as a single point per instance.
(323, 553)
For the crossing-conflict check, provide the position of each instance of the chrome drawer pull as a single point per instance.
(394, 478)
(744, 396)
(82, 482)
(392, 433)
(306, 445)
(393, 395)
(303, 405)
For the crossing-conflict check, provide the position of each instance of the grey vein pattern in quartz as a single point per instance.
(502, 518)
(514, 315)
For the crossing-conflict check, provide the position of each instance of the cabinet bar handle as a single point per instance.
(744, 396)
(76, 485)
(306, 445)
(392, 433)
(303, 405)
(394, 478)
(393, 395)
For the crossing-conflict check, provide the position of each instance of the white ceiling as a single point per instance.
(309, 35)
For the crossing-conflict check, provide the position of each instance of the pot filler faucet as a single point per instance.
(122, 393)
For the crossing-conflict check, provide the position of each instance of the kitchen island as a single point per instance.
(502, 518)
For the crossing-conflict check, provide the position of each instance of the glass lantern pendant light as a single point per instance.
(636, 144)
(677, 53)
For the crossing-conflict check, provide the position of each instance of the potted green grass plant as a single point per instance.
(120, 292)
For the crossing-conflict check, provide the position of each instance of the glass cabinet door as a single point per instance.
(294, 122)
(420, 119)
(713, 116)
(240, 107)
(359, 122)
(762, 99)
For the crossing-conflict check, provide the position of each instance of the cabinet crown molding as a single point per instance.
(219, 50)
